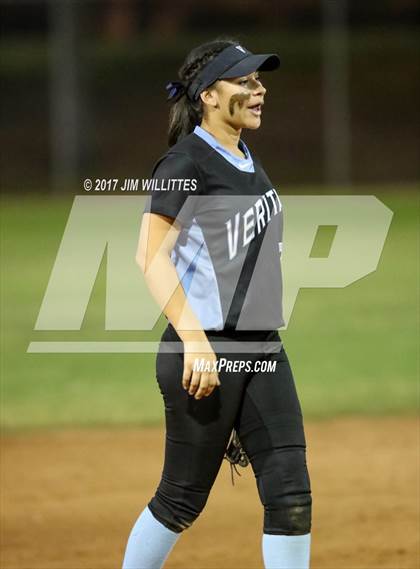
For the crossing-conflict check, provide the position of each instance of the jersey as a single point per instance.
(228, 251)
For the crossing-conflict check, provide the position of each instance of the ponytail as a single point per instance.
(186, 114)
(183, 117)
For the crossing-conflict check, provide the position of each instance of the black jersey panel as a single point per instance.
(175, 180)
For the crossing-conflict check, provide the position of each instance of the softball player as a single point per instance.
(211, 234)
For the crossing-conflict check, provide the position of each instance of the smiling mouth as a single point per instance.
(256, 109)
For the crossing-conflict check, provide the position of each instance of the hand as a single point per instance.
(200, 383)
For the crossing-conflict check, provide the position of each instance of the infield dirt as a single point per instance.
(70, 497)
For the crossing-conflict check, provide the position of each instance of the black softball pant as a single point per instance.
(264, 409)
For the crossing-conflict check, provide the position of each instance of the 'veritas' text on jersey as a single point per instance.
(254, 219)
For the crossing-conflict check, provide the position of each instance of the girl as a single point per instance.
(210, 248)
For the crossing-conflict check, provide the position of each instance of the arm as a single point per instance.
(158, 235)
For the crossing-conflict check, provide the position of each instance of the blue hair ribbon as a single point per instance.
(175, 89)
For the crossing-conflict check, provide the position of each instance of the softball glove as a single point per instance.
(235, 454)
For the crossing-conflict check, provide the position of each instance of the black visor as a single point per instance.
(234, 61)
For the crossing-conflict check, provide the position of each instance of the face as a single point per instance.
(237, 102)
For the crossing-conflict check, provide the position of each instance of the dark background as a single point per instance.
(83, 87)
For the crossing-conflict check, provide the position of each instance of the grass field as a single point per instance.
(353, 350)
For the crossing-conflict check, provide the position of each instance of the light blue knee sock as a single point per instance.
(286, 551)
(149, 544)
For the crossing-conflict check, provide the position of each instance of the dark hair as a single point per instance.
(186, 114)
